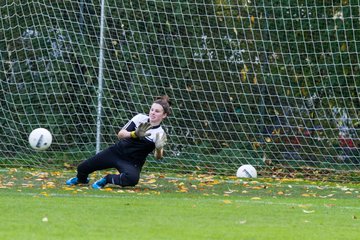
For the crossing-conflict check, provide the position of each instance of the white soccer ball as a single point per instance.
(246, 171)
(40, 139)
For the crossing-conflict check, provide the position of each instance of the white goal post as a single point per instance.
(274, 84)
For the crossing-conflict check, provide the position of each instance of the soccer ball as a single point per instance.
(40, 139)
(246, 171)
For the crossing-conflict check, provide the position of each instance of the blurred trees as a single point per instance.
(248, 78)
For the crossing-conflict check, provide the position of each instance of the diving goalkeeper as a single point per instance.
(142, 135)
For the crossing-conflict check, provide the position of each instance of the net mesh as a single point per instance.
(270, 83)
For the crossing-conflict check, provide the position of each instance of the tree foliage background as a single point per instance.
(249, 80)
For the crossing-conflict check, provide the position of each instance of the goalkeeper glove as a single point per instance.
(160, 141)
(141, 131)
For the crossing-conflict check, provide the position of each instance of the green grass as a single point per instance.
(37, 205)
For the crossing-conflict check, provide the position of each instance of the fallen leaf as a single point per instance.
(307, 212)
(330, 205)
(242, 222)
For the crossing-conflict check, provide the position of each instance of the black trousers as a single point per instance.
(129, 173)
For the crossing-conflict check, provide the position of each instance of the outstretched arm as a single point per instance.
(159, 145)
(123, 133)
(140, 132)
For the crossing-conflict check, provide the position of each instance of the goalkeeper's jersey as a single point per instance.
(137, 149)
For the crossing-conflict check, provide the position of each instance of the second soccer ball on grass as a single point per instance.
(246, 171)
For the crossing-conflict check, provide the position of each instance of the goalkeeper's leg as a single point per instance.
(103, 160)
(129, 175)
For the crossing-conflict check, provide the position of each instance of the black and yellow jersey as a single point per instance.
(137, 149)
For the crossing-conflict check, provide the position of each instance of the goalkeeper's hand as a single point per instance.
(141, 130)
(160, 141)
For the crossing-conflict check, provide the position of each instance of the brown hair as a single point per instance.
(165, 102)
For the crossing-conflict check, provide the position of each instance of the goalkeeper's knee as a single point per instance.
(123, 179)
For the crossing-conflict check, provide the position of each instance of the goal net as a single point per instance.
(274, 84)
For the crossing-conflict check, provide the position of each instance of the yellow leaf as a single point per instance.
(246, 68)
(330, 205)
(252, 19)
(44, 194)
(183, 190)
(255, 198)
(235, 31)
(304, 91)
(244, 72)
(67, 165)
(215, 182)
(243, 75)
(343, 47)
(303, 206)
(28, 185)
(256, 145)
(56, 173)
(150, 181)
(227, 201)
(276, 131)
(255, 80)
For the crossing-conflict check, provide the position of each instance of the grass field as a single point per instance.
(37, 205)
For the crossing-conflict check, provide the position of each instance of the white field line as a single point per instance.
(294, 184)
(249, 202)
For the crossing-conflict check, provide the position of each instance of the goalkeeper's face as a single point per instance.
(156, 114)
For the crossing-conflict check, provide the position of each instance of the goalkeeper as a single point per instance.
(137, 139)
